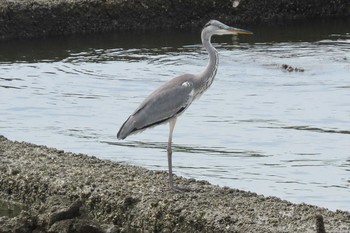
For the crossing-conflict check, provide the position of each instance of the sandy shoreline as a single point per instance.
(38, 18)
(68, 191)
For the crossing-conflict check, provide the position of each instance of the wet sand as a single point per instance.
(67, 192)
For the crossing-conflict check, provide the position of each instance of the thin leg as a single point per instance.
(170, 152)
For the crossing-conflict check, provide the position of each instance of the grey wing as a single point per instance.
(163, 104)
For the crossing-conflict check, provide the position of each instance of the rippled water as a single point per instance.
(258, 128)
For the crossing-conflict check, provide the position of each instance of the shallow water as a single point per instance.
(258, 128)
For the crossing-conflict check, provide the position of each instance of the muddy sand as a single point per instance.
(67, 192)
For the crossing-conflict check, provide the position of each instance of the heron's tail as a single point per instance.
(126, 129)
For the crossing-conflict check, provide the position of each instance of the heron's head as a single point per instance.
(214, 27)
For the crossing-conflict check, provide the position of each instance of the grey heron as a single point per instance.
(172, 98)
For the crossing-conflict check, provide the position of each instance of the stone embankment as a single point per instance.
(66, 192)
(34, 18)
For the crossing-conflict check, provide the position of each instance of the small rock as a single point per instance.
(76, 226)
(66, 213)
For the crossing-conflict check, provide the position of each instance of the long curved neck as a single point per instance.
(206, 78)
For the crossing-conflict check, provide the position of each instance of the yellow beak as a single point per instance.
(233, 31)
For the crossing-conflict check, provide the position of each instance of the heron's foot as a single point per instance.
(180, 189)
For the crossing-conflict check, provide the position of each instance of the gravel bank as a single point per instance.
(67, 192)
(32, 18)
